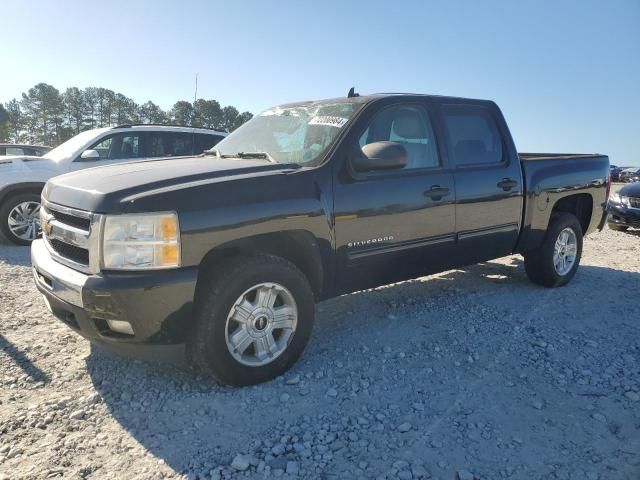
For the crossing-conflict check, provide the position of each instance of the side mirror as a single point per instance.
(381, 156)
(90, 156)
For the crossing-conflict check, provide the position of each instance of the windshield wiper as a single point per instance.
(264, 155)
(212, 151)
(261, 155)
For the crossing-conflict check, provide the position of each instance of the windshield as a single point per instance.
(297, 134)
(70, 147)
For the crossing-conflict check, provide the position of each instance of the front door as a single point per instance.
(395, 224)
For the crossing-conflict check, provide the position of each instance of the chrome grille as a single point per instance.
(634, 202)
(71, 236)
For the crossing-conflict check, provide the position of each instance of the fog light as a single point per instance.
(120, 326)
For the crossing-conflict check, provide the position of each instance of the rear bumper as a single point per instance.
(157, 305)
(625, 216)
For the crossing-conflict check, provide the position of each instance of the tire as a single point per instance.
(7, 210)
(618, 228)
(217, 328)
(539, 264)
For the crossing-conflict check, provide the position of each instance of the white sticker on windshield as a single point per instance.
(328, 121)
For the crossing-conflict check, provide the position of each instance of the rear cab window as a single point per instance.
(473, 136)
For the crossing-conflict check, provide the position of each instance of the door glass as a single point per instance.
(409, 126)
(474, 137)
(103, 147)
(205, 142)
(129, 147)
(119, 146)
(15, 151)
(177, 144)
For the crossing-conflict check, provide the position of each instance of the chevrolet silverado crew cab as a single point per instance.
(23, 176)
(220, 258)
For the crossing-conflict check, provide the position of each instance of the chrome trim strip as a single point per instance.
(66, 283)
(67, 210)
(89, 240)
(64, 260)
(509, 227)
(67, 233)
(400, 246)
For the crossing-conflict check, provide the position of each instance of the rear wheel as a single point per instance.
(556, 261)
(253, 320)
(618, 228)
(20, 218)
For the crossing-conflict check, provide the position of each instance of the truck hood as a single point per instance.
(108, 188)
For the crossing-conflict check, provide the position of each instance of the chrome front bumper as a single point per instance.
(62, 281)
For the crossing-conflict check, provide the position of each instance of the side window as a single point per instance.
(409, 126)
(473, 135)
(119, 146)
(155, 145)
(177, 144)
(15, 151)
(103, 147)
(205, 142)
(130, 147)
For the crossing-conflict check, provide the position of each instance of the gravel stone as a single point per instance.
(240, 463)
(78, 414)
(404, 427)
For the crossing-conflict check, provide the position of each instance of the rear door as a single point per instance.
(398, 224)
(488, 178)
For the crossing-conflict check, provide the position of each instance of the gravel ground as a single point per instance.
(469, 374)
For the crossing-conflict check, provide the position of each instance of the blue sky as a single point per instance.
(566, 74)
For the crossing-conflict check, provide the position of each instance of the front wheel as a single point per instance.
(555, 262)
(20, 218)
(253, 320)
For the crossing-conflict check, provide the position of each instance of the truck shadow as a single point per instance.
(186, 419)
(19, 358)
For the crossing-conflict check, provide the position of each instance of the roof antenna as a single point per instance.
(352, 93)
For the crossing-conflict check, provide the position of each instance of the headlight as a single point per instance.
(614, 197)
(143, 241)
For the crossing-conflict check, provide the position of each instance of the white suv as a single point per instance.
(23, 177)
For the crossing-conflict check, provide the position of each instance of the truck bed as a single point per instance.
(569, 181)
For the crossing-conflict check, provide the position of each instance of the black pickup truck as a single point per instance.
(221, 257)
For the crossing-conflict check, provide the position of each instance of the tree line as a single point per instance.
(45, 116)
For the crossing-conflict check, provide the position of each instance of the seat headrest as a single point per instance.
(409, 124)
(465, 148)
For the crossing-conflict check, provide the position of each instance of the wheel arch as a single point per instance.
(19, 188)
(579, 204)
(300, 247)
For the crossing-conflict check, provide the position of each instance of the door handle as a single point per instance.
(436, 192)
(507, 184)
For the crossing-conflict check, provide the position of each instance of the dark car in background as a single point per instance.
(624, 208)
(615, 173)
(30, 150)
